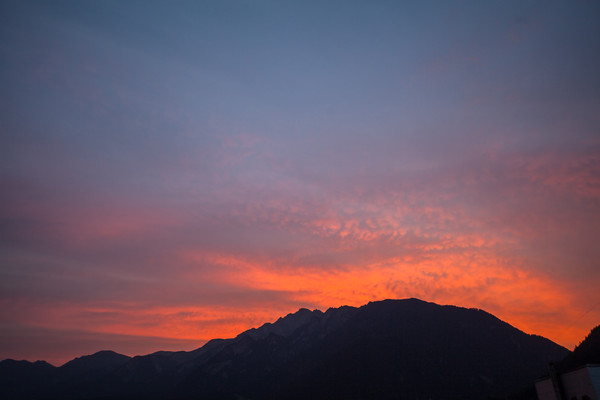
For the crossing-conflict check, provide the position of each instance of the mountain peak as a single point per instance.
(382, 349)
(285, 326)
(100, 359)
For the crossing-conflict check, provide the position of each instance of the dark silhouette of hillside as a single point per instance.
(389, 349)
(24, 379)
(587, 352)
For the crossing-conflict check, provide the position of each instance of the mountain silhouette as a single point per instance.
(587, 352)
(391, 349)
(24, 379)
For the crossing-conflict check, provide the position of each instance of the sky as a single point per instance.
(173, 172)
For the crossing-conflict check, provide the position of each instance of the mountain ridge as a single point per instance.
(586, 352)
(379, 350)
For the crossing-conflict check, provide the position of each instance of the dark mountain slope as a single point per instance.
(419, 350)
(247, 365)
(587, 352)
(98, 363)
(24, 379)
(383, 350)
(73, 379)
(156, 375)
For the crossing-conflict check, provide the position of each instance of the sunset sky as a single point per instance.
(172, 172)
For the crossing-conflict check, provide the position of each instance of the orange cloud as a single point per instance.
(470, 278)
